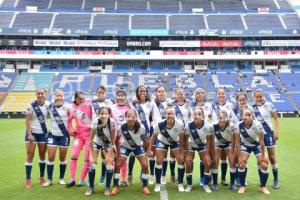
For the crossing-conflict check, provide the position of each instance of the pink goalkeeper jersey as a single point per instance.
(82, 114)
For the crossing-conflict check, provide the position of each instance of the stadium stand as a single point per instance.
(263, 21)
(111, 21)
(225, 21)
(190, 4)
(149, 22)
(41, 4)
(32, 81)
(291, 21)
(27, 20)
(76, 21)
(229, 5)
(17, 101)
(6, 80)
(67, 4)
(5, 19)
(178, 22)
(132, 5)
(164, 5)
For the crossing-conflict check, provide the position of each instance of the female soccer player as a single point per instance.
(58, 136)
(199, 138)
(264, 111)
(168, 134)
(97, 104)
(161, 101)
(224, 133)
(200, 101)
(36, 131)
(81, 112)
(241, 103)
(102, 139)
(149, 116)
(133, 141)
(222, 104)
(119, 109)
(251, 134)
(184, 112)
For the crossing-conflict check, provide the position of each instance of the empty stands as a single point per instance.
(17, 101)
(32, 82)
(27, 20)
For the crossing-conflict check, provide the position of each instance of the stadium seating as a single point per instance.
(292, 21)
(263, 21)
(190, 4)
(32, 82)
(17, 101)
(67, 4)
(164, 5)
(284, 5)
(108, 4)
(296, 98)
(75, 21)
(179, 22)
(8, 3)
(132, 5)
(254, 4)
(5, 19)
(229, 5)
(41, 4)
(149, 22)
(110, 21)
(225, 21)
(291, 81)
(266, 82)
(6, 80)
(26, 20)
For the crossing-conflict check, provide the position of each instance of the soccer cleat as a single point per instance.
(80, 183)
(62, 182)
(223, 182)
(47, 183)
(241, 190)
(129, 180)
(163, 180)
(264, 190)
(101, 181)
(157, 188)
(107, 192)
(233, 188)
(89, 191)
(42, 180)
(206, 189)
(215, 188)
(276, 184)
(201, 182)
(173, 179)
(70, 184)
(146, 191)
(188, 188)
(180, 188)
(124, 184)
(151, 180)
(28, 184)
(115, 191)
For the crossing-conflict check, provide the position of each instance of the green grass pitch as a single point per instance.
(12, 172)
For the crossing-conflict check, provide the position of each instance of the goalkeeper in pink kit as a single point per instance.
(81, 113)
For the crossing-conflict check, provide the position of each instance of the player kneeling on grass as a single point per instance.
(224, 133)
(133, 139)
(102, 138)
(58, 136)
(252, 139)
(199, 138)
(168, 134)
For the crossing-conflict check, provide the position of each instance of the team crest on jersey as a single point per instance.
(58, 120)
(41, 119)
(142, 117)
